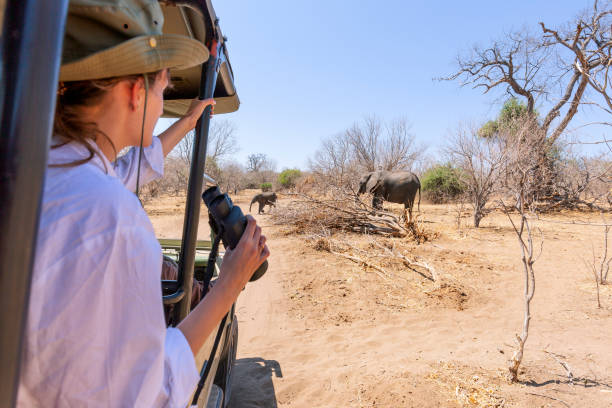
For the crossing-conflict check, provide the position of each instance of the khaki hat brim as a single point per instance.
(138, 55)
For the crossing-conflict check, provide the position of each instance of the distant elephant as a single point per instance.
(396, 187)
(268, 198)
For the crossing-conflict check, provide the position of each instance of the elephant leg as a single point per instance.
(408, 209)
(261, 206)
(377, 202)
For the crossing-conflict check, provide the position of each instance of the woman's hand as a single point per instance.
(240, 263)
(195, 110)
(177, 131)
(237, 268)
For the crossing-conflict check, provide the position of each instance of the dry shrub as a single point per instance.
(322, 244)
(418, 232)
(344, 211)
(468, 388)
(449, 294)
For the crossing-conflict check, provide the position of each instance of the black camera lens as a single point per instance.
(221, 206)
(228, 220)
(210, 194)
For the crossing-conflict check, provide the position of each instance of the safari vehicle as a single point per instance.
(28, 86)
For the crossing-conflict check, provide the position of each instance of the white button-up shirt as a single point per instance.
(95, 333)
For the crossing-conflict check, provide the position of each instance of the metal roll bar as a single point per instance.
(28, 87)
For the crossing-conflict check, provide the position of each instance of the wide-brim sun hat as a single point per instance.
(113, 38)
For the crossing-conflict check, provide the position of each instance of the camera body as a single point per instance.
(227, 218)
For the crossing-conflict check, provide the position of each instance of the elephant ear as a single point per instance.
(364, 182)
(376, 185)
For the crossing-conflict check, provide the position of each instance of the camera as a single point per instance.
(228, 219)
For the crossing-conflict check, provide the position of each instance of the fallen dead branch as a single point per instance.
(364, 257)
(308, 214)
(325, 243)
(411, 263)
(566, 367)
(380, 271)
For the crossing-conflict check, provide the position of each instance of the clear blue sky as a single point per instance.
(309, 69)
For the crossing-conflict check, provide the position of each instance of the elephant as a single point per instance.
(396, 187)
(262, 199)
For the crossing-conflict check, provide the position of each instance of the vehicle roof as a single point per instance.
(197, 19)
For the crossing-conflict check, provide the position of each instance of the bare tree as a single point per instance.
(232, 177)
(600, 268)
(221, 142)
(174, 181)
(366, 146)
(589, 46)
(481, 161)
(398, 150)
(256, 162)
(261, 167)
(334, 162)
(555, 65)
(523, 176)
(582, 181)
(389, 147)
(524, 234)
(364, 139)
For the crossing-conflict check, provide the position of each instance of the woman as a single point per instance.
(95, 334)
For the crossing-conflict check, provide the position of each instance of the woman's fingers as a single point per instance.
(250, 227)
(265, 253)
(240, 264)
(256, 236)
(197, 106)
(195, 110)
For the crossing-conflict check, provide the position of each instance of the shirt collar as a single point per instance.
(74, 151)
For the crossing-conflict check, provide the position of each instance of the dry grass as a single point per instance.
(468, 390)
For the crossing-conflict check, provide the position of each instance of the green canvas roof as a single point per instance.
(196, 19)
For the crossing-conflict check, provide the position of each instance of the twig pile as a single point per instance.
(307, 214)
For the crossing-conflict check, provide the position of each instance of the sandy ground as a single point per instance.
(321, 331)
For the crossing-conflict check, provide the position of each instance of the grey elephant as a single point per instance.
(262, 199)
(396, 187)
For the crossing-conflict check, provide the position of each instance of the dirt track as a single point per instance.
(321, 331)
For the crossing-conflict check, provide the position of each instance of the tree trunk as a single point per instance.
(478, 215)
(477, 219)
(529, 290)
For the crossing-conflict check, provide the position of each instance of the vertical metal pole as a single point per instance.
(33, 32)
(208, 81)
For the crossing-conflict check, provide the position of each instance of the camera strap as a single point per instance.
(210, 271)
(144, 115)
(212, 258)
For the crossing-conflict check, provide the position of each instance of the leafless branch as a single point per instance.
(565, 365)
(530, 66)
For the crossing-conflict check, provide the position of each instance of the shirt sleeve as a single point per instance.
(182, 373)
(151, 167)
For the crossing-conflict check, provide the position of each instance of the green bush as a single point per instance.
(266, 186)
(288, 177)
(442, 183)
